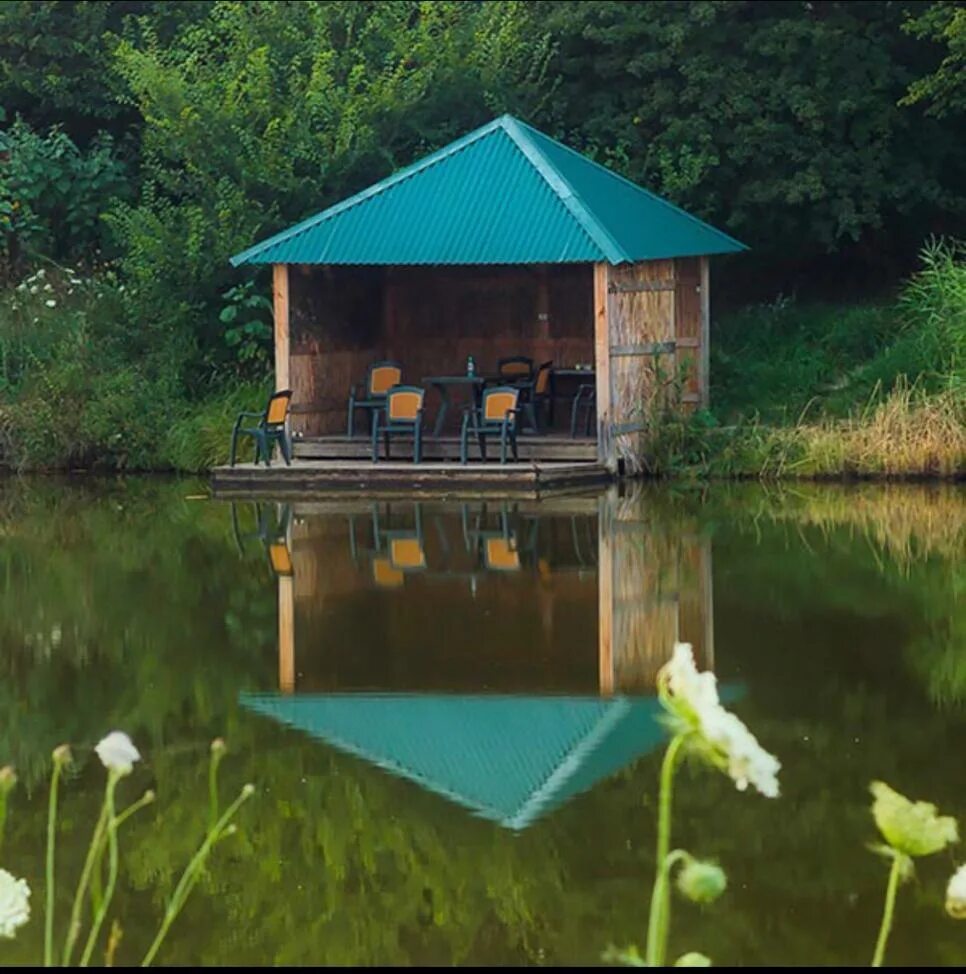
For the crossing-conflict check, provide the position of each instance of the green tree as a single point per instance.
(945, 89)
(776, 120)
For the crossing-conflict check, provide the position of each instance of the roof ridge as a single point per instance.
(641, 189)
(598, 234)
(375, 189)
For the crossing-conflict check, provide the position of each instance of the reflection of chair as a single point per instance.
(380, 378)
(498, 547)
(496, 416)
(271, 529)
(394, 551)
(402, 415)
(281, 559)
(500, 553)
(269, 430)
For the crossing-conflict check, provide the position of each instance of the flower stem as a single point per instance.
(51, 848)
(190, 875)
(658, 921)
(74, 928)
(888, 910)
(112, 780)
(214, 761)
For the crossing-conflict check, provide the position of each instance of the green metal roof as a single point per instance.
(504, 194)
(508, 759)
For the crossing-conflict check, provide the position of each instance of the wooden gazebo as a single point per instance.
(503, 243)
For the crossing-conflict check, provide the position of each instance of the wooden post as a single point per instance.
(286, 633)
(605, 442)
(605, 595)
(704, 365)
(281, 305)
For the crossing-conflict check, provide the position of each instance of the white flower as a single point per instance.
(48, 286)
(51, 303)
(117, 752)
(692, 699)
(34, 289)
(956, 894)
(14, 904)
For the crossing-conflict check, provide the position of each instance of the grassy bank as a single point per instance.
(812, 390)
(798, 389)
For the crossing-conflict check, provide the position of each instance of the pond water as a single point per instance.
(448, 712)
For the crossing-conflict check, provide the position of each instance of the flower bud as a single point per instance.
(8, 778)
(248, 790)
(62, 755)
(218, 746)
(956, 894)
(693, 959)
(701, 882)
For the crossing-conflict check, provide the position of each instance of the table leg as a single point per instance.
(443, 408)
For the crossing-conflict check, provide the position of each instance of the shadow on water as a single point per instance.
(499, 662)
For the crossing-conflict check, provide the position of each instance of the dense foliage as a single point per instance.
(160, 138)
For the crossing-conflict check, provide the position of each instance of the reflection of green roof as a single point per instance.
(510, 759)
(503, 194)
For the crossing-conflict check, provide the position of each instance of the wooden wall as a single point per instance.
(651, 340)
(430, 319)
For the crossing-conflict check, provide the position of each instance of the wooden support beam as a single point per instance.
(704, 363)
(281, 306)
(286, 633)
(605, 447)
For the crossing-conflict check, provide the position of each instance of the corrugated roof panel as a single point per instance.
(504, 194)
(645, 226)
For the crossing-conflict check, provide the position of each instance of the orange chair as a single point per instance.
(402, 414)
(269, 430)
(497, 415)
(380, 378)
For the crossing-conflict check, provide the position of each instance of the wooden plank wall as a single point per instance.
(641, 316)
(430, 319)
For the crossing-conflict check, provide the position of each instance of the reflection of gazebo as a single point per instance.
(509, 759)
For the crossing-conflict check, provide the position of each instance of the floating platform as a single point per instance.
(311, 478)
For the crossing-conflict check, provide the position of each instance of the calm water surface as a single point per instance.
(448, 711)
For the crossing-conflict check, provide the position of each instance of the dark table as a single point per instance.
(443, 384)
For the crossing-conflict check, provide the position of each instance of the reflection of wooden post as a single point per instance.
(286, 633)
(605, 596)
(280, 301)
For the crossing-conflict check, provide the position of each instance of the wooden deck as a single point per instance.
(556, 448)
(312, 478)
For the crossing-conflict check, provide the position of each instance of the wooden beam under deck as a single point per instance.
(311, 478)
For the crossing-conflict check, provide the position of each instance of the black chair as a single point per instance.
(586, 401)
(515, 370)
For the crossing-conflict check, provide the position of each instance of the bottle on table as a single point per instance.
(470, 365)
